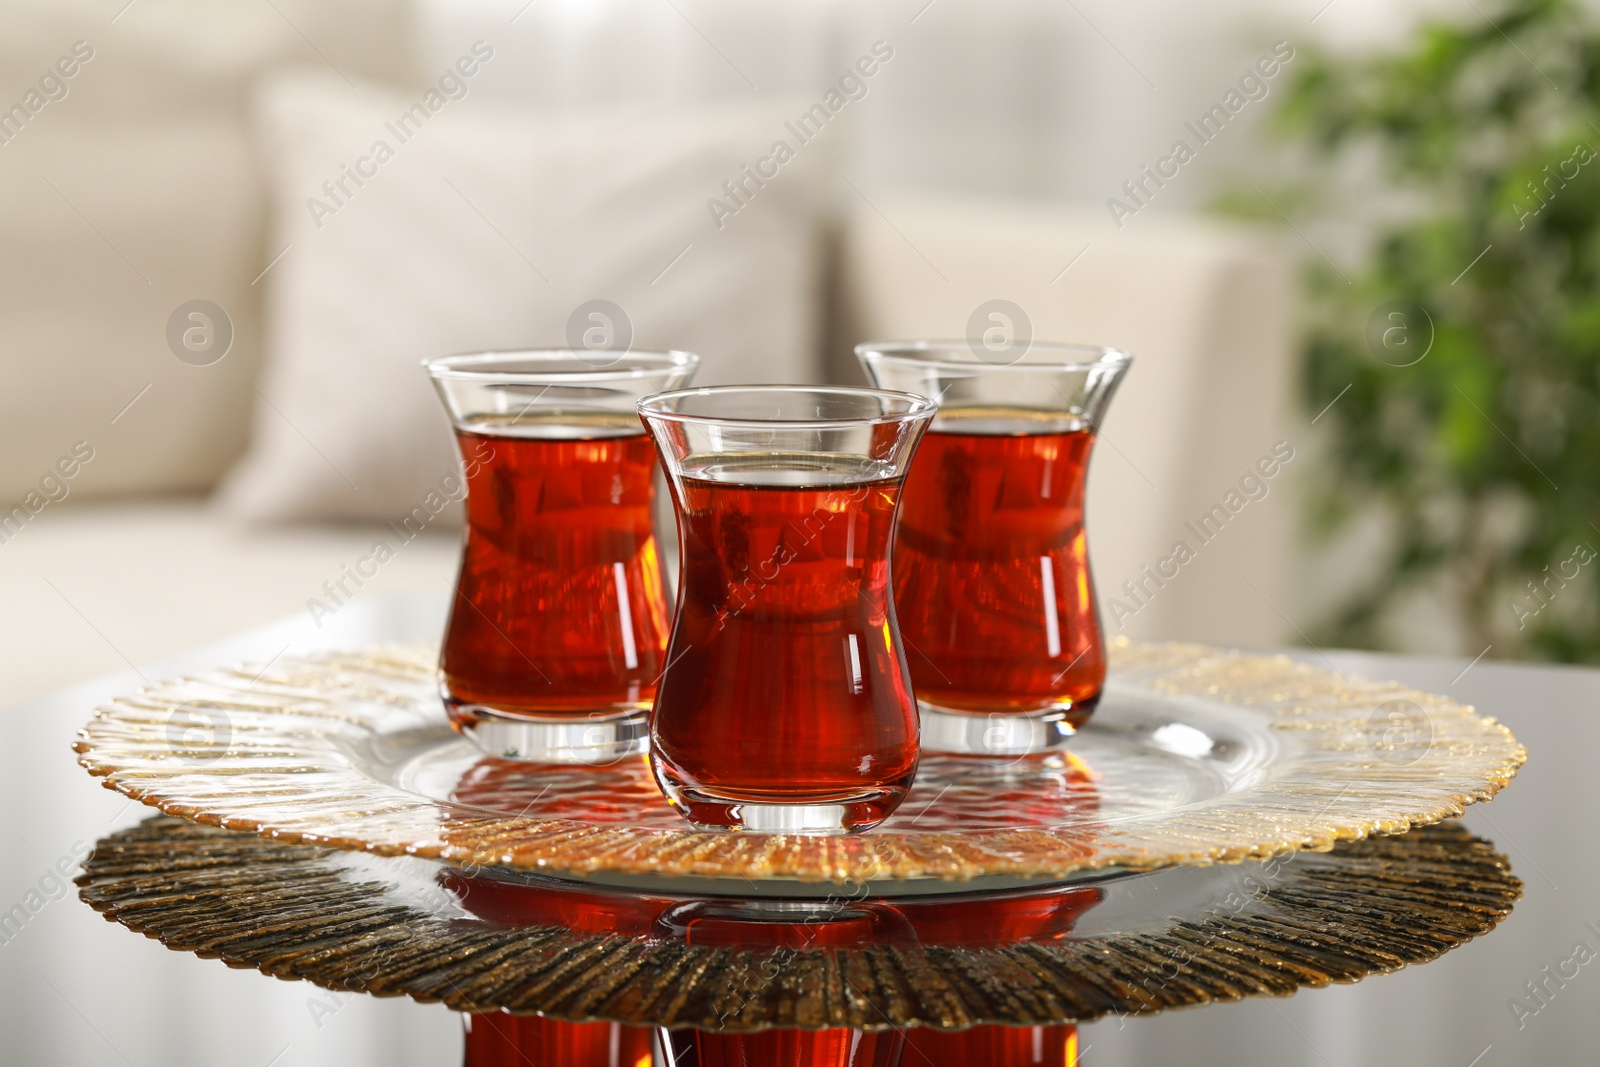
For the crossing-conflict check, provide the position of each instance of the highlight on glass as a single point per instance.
(786, 705)
(556, 632)
(991, 568)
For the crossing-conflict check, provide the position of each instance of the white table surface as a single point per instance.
(75, 989)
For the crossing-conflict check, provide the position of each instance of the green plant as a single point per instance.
(1482, 456)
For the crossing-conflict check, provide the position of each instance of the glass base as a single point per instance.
(596, 739)
(1041, 732)
(849, 815)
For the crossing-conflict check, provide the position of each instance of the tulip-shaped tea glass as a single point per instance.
(991, 572)
(559, 621)
(786, 705)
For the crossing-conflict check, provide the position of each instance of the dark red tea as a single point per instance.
(788, 1048)
(784, 684)
(991, 578)
(992, 1046)
(500, 1040)
(559, 609)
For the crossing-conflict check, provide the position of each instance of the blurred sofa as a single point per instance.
(158, 179)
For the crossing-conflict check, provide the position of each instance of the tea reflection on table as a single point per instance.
(763, 937)
(769, 935)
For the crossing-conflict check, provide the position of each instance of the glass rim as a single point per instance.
(483, 366)
(916, 407)
(957, 354)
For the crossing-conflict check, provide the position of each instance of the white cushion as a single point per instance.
(489, 229)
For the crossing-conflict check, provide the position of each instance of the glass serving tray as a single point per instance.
(1195, 756)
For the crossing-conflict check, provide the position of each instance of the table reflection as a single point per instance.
(1062, 792)
(764, 939)
(499, 1040)
(845, 978)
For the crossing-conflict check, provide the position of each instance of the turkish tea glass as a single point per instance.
(786, 705)
(556, 632)
(991, 567)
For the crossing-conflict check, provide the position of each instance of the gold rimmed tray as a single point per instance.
(1195, 756)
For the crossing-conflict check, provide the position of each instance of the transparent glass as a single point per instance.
(556, 632)
(786, 705)
(991, 567)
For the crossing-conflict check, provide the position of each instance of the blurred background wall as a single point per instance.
(185, 157)
(984, 157)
